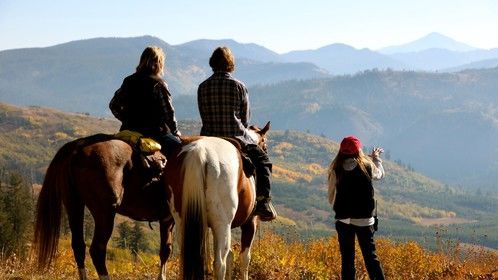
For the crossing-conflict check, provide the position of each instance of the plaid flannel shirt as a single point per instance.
(224, 106)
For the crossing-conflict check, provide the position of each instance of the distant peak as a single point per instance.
(437, 37)
(436, 34)
(433, 40)
(331, 47)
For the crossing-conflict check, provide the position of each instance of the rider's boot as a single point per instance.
(265, 209)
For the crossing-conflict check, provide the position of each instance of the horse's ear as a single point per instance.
(265, 129)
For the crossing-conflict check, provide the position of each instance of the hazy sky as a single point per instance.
(280, 25)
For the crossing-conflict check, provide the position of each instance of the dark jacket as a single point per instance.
(355, 194)
(143, 104)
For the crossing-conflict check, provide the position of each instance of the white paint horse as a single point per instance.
(212, 191)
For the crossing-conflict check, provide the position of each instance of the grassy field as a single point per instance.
(275, 258)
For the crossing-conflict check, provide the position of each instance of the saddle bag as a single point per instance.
(147, 152)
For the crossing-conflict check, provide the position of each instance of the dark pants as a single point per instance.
(346, 235)
(263, 169)
(169, 143)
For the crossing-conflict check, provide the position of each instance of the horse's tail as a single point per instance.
(194, 218)
(49, 206)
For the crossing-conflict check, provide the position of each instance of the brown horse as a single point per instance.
(98, 172)
(212, 191)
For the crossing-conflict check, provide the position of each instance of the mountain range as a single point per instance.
(433, 52)
(425, 119)
(61, 75)
(94, 68)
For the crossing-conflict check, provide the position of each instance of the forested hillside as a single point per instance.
(443, 125)
(407, 200)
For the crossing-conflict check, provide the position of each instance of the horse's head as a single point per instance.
(259, 135)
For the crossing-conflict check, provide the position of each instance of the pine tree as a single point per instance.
(16, 212)
(124, 238)
(138, 242)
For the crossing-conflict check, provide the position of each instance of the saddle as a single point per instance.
(247, 164)
(147, 152)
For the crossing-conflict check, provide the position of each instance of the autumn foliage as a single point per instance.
(274, 258)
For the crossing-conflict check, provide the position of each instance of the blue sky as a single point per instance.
(280, 25)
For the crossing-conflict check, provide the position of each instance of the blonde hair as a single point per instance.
(361, 159)
(222, 59)
(152, 61)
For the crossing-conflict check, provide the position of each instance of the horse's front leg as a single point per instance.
(247, 237)
(104, 223)
(166, 246)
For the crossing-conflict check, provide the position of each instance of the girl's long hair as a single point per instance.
(361, 159)
(152, 61)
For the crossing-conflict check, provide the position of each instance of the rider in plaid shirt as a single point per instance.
(224, 108)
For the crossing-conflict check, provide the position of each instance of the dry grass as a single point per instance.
(273, 258)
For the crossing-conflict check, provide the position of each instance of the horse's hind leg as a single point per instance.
(229, 262)
(75, 212)
(222, 240)
(166, 246)
(104, 223)
(247, 236)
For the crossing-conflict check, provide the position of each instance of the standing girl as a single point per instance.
(352, 195)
